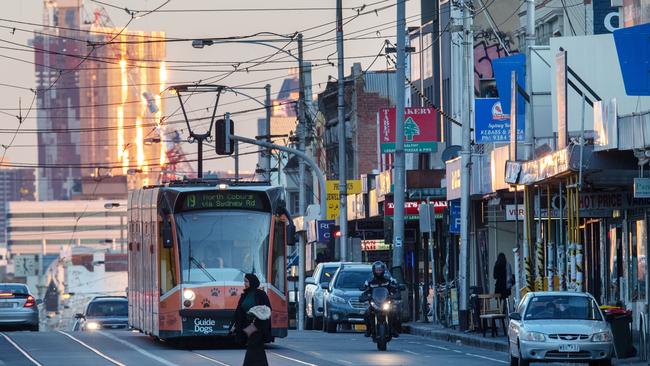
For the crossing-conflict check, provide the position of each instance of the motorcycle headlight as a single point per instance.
(337, 299)
(535, 336)
(386, 306)
(601, 337)
(189, 294)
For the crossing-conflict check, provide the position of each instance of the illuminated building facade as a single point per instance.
(123, 81)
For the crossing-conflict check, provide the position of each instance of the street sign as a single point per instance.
(641, 187)
(454, 216)
(427, 218)
(398, 241)
(420, 130)
(515, 212)
(323, 230)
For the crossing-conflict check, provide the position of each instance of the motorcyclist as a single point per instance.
(381, 278)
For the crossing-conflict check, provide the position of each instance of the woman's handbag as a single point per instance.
(250, 329)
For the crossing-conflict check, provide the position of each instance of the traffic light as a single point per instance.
(335, 231)
(224, 145)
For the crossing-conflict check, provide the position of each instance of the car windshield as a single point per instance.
(562, 307)
(108, 308)
(326, 274)
(352, 279)
(219, 245)
(14, 289)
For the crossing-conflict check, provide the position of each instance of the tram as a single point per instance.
(190, 244)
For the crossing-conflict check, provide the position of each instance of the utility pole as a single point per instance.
(530, 43)
(301, 195)
(465, 158)
(266, 162)
(399, 166)
(343, 182)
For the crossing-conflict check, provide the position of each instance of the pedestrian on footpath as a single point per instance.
(502, 273)
(252, 323)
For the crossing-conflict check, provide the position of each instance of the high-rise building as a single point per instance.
(57, 102)
(123, 82)
(99, 104)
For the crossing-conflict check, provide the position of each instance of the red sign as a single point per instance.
(420, 130)
(411, 207)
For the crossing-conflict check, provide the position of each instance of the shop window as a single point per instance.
(637, 263)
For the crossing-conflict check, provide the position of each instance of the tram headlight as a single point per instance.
(189, 294)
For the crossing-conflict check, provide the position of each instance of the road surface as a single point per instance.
(309, 348)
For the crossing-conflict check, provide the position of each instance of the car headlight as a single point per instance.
(601, 337)
(386, 306)
(189, 294)
(535, 336)
(92, 325)
(337, 299)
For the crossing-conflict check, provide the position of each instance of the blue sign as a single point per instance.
(633, 48)
(454, 216)
(492, 125)
(502, 69)
(323, 230)
(605, 17)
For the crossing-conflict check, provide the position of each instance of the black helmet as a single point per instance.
(378, 270)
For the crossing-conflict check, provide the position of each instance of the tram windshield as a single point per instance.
(219, 245)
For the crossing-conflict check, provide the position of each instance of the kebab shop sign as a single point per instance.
(420, 130)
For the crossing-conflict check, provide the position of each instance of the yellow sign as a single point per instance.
(332, 209)
(354, 186)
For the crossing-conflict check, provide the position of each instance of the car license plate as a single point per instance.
(7, 304)
(360, 327)
(569, 348)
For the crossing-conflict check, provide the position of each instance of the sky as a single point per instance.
(209, 18)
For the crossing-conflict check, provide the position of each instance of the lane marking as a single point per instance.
(16, 346)
(96, 351)
(486, 358)
(294, 360)
(211, 359)
(345, 362)
(411, 352)
(138, 349)
(411, 342)
(438, 347)
(457, 351)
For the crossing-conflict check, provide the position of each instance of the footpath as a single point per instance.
(476, 339)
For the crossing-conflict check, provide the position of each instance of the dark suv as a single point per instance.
(341, 296)
(104, 312)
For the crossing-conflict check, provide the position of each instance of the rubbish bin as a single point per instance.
(620, 321)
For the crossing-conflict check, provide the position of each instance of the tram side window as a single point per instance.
(278, 255)
(167, 280)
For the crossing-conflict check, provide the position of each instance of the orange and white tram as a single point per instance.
(189, 246)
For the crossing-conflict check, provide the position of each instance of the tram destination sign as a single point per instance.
(219, 200)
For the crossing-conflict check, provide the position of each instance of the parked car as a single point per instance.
(323, 274)
(341, 297)
(18, 307)
(104, 312)
(559, 326)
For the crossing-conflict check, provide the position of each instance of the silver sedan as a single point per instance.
(559, 326)
(18, 308)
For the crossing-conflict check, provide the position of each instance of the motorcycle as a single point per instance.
(380, 301)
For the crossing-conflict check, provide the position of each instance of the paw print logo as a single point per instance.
(205, 303)
(215, 292)
(233, 291)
